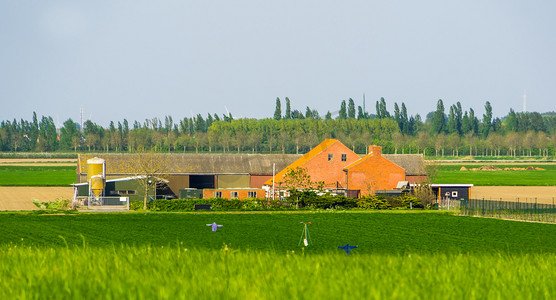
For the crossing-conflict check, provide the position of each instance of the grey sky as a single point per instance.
(145, 59)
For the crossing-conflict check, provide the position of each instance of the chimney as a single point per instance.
(375, 150)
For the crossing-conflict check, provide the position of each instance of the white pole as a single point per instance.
(273, 175)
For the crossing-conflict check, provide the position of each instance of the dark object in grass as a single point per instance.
(202, 207)
(347, 248)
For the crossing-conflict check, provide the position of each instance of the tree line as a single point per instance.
(455, 133)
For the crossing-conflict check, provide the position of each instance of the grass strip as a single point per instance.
(148, 272)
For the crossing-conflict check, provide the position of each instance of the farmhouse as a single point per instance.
(251, 175)
(339, 168)
(193, 175)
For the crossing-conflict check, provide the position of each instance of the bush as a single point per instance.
(373, 202)
(307, 200)
(217, 204)
(57, 204)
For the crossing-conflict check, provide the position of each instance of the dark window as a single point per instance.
(344, 157)
(330, 157)
(234, 195)
(201, 181)
(218, 194)
(252, 194)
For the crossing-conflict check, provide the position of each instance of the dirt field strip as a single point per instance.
(21, 198)
(43, 162)
(543, 194)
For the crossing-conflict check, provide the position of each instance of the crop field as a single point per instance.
(451, 174)
(36, 175)
(400, 255)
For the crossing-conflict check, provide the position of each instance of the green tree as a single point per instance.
(439, 118)
(487, 119)
(288, 114)
(343, 111)
(278, 110)
(351, 109)
(295, 181)
(70, 137)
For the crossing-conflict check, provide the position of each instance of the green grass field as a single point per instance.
(400, 255)
(452, 174)
(374, 232)
(37, 175)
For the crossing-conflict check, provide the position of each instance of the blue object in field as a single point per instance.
(347, 247)
(214, 226)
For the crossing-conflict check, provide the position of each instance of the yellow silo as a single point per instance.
(97, 185)
(95, 166)
(96, 175)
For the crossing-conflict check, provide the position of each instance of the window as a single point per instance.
(330, 157)
(251, 194)
(234, 195)
(344, 157)
(218, 194)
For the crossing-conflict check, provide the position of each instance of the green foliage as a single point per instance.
(217, 204)
(373, 202)
(182, 271)
(278, 110)
(57, 204)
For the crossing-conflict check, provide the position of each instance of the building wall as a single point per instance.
(257, 181)
(373, 173)
(133, 190)
(233, 181)
(331, 172)
(227, 193)
(452, 193)
(416, 178)
(177, 182)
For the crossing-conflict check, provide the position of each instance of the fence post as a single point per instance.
(536, 211)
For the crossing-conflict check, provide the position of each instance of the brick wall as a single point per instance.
(227, 193)
(320, 168)
(374, 172)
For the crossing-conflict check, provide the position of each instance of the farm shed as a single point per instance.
(123, 187)
(452, 191)
(198, 171)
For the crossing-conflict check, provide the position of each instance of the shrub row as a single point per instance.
(306, 201)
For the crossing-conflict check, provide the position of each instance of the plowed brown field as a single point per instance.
(45, 162)
(21, 198)
(543, 194)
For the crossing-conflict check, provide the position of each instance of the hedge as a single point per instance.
(307, 200)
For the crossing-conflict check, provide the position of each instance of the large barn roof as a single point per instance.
(414, 164)
(198, 163)
(232, 163)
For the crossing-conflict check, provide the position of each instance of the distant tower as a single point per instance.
(524, 101)
(81, 113)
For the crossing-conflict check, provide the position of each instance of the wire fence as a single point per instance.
(529, 210)
(102, 203)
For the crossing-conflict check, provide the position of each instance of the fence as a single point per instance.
(103, 203)
(525, 211)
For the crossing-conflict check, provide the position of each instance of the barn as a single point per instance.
(251, 175)
(210, 175)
